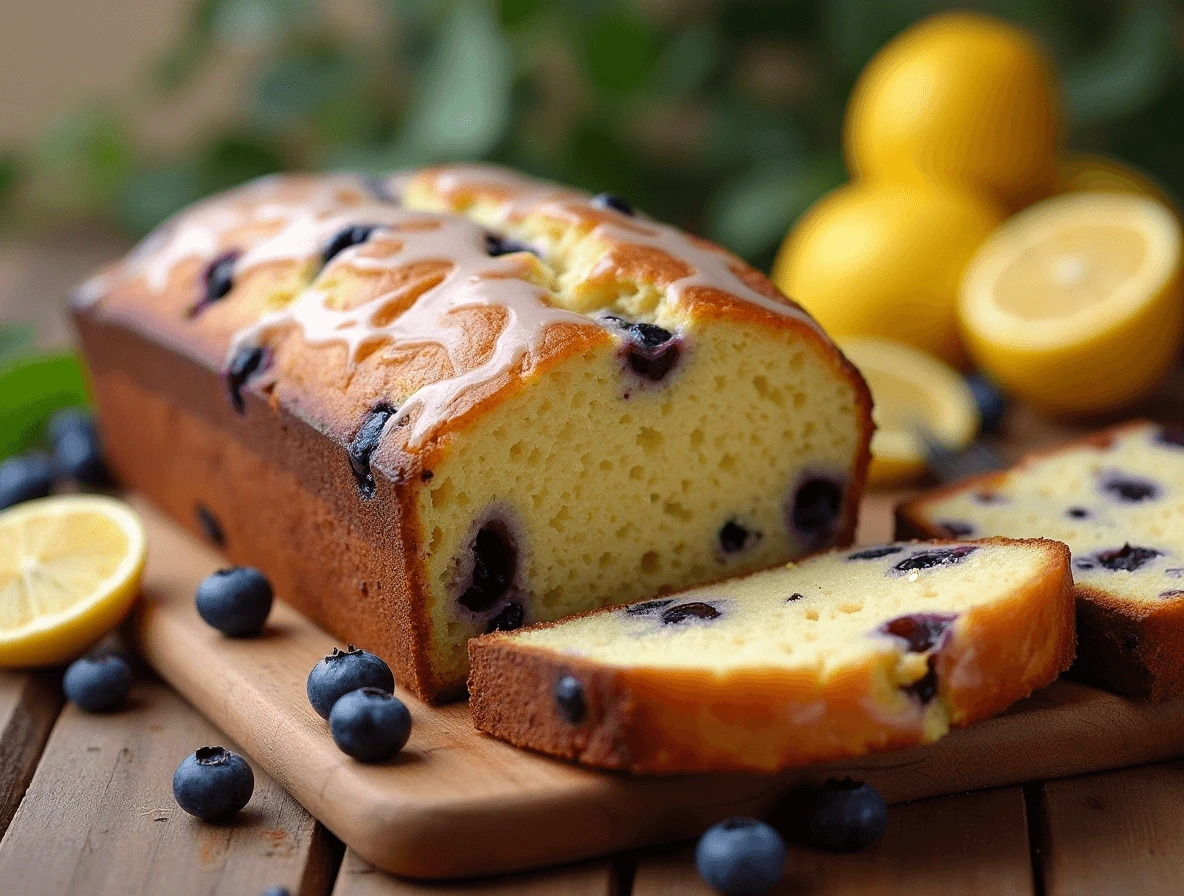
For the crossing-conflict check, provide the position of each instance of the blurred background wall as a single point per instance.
(723, 115)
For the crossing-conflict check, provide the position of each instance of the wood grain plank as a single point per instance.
(1118, 832)
(99, 816)
(29, 705)
(973, 843)
(359, 878)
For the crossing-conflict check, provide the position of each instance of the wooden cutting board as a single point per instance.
(456, 803)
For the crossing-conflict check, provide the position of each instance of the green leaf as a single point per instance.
(753, 212)
(620, 52)
(298, 86)
(15, 338)
(32, 387)
(90, 153)
(153, 194)
(463, 107)
(687, 61)
(1129, 73)
(234, 158)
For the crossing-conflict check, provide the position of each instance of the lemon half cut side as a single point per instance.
(910, 390)
(1075, 304)
(70, 570)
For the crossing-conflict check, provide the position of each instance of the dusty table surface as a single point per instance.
(86, 804)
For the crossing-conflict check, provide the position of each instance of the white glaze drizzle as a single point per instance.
(304, 220)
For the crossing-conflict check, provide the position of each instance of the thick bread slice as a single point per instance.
(1117, 499)
(848, 653)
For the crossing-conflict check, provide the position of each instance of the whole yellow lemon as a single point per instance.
(959, 96)
(885, 259)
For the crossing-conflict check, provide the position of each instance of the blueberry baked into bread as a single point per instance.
(1117, 500)
(836, 656)
(460, 400)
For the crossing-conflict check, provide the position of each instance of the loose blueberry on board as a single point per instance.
(363, 445)
(990, 400)
(493, 570)
(346, 237)
(845, 816)
(683, 612)
(876, 553)
(247, 361)
(344, 671)
(611, 200)
(569, 698)
(98, 683)
(213, 784)
(936, 557)
(276, 891)
(78, 453)
(741, 857)
(236, 601)
(24, 478)
(510, 618)
(370, 724)
(921, 631)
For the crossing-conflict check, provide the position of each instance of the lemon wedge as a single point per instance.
(1075, 304)
(910, 390)
(70, 569)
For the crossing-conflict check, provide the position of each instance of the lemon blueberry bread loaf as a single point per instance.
(460, 400)
(843, 654)
(1117, 500)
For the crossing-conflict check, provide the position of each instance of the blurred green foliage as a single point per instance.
(33, 385)
(722, 115)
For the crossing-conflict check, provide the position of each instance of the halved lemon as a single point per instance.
(910, 391)
(1075, 305)
(70, 569)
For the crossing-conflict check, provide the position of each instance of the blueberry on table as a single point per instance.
(741, 857)
(344, 671)
(277, 891)
(24, 478)
(990, 400)
(213, 783)
(845, 816)
(77, 450)
(98, 684)
(370, 724)
(236, 601)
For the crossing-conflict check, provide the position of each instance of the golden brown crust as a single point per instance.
(1132, 648)
(660, 721)
(147, 348)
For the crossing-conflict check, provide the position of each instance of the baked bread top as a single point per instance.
(429, 293)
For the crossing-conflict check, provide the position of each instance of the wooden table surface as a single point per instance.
(86, 804)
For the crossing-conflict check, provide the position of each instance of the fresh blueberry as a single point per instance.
(741, 857)
(936, 557)
(346, 237)
(493, 570)
(98, 683)
(213, 783)
(235, 601)
(991, 402)
(78, 453)
(510, 618)
(344, 671)
(276, 890)
(24, 478)
(845, 816)
(611, 200)
(363, 445)
(247, 361)
(569, 697)
(370, 724)
(692, 610)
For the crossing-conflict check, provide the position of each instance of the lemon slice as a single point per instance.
(1074, 305)
(910, 389)
(69, 571)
